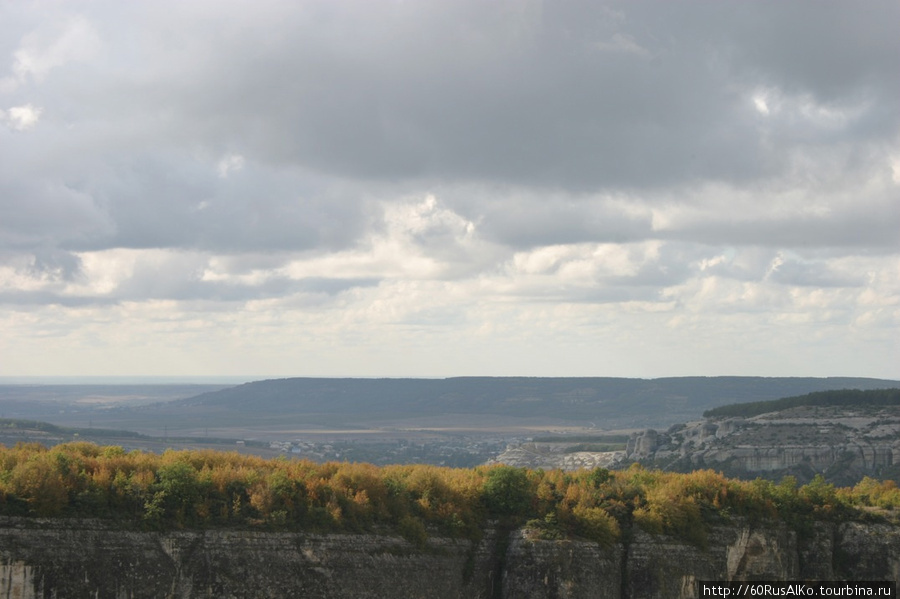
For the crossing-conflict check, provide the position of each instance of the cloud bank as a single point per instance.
(450, 187)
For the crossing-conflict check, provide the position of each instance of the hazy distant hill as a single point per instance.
(605, 402)
(42, 400)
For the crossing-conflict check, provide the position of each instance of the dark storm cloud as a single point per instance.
(535, 221)
(398, 94)
(192, 289)
(571, 96)
(814, 274)
(44, 298)
(167, 202)
(563, 95)
(186, 289)
(872, 225)
(182, 277)
(39, 213)
(822, 48)
(54, 263)
(174, 200)
(291, 128)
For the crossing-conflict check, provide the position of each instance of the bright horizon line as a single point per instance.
(240, 379)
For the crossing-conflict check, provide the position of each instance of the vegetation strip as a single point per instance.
(842, 397)
(197, 489)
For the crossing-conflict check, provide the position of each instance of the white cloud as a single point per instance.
(774, 265)
(895, 168)
(230, 163)
(72, 39)
(22, 118)
(762, 106)
(419, 238)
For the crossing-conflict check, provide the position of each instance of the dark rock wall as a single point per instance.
(561, 570)
(84, 559)
(73, 559)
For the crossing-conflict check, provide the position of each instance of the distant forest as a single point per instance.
(198, 489)
(842, 397)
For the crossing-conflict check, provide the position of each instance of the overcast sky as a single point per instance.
(450, 187)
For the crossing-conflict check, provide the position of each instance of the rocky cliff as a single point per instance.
(43, 559)
(556, 455)
(842, 443)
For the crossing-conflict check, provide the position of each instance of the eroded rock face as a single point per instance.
(842, 443)
(561, 569)
(659, 566)
(553, 455)
(870, 550)
(43, 559)
(643, 445)
(87, 559)
(17, 580)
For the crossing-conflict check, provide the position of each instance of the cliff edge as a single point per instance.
(63, 558)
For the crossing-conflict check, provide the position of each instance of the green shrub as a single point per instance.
(506, 491)
(413, 530)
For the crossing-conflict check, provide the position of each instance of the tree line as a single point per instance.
(841, 397)
(205, 488)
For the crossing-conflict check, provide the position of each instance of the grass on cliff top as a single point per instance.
(200, 489)
(843, 398)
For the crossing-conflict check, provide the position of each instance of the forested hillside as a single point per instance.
(839, 397)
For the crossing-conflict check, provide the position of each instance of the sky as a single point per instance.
(449, 187)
